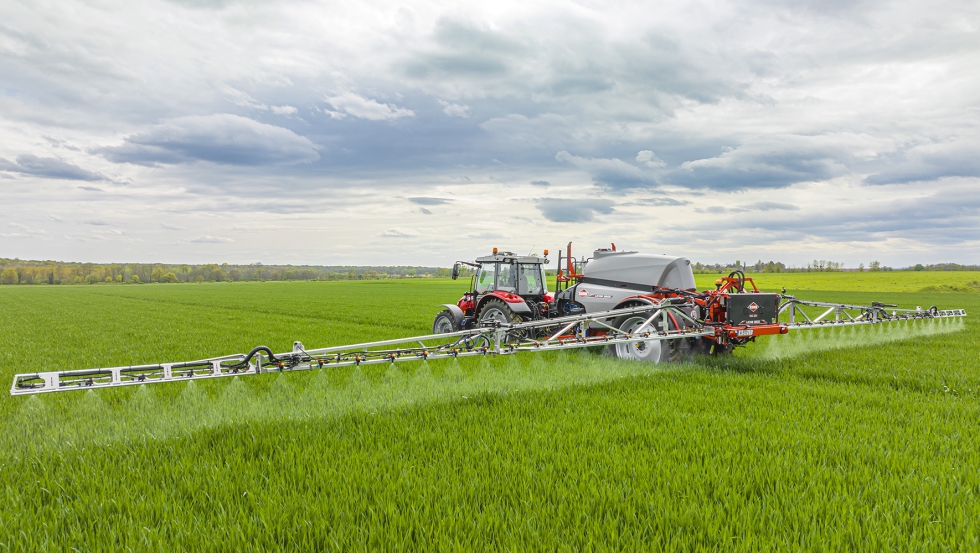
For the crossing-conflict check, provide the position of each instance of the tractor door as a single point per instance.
(485, 280)
(530, 280)
(507, 277)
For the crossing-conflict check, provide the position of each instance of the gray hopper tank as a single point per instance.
(646, 269)
(610, 277)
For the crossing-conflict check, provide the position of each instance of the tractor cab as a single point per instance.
(505, 273)
(506, 287)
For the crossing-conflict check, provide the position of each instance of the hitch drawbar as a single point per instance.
(571, 332)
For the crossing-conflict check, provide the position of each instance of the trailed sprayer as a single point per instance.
(636, 306)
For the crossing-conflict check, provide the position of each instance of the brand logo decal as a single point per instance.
(583, 292)
(753, 307)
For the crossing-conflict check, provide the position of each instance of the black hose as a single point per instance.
(256, 350)
(741, 279)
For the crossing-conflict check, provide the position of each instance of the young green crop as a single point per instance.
(793, 443)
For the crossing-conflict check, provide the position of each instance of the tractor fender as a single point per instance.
(456, 312)
(519, 307)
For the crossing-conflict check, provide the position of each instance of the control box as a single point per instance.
(752, 309)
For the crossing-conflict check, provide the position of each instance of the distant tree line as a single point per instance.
(17, 271)
(817, 266)
(820, 266)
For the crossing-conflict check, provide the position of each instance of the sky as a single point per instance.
(386, 133)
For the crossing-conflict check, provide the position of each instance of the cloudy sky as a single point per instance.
(390, 133)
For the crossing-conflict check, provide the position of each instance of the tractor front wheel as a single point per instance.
(444, 323)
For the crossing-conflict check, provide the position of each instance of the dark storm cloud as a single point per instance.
(462, 50)
(565, 210)
(659, 202)
(221, 138)
(941, 217)
(773, 162)
(48, 168)
(681, 69)
(422, 200)
(613, 173)
(769, 162)
(770, 206)
(959, 158)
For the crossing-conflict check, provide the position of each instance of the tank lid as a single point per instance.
(605, 252)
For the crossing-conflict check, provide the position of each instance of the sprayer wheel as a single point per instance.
(651, 351)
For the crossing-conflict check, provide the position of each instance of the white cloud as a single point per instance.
(23, 231)
(455, 110)
(242, 98)
(284, 110)
(650, 159)
(399, 233)
(208, 239)
(364, 108)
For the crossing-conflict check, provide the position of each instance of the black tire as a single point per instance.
(499, 311)
(652, 351)
(718, 349)
(444, 323)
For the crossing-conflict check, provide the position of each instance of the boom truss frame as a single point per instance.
(571, 332)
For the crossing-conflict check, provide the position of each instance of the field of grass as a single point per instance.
(893, 281)
(841, 438)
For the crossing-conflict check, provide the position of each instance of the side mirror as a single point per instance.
(456, 271)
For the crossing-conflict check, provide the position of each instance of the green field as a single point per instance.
(828, 439)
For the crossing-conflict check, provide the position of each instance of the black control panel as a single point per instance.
(752, 309)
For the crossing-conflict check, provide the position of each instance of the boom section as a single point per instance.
(843, 314)
(494, 338)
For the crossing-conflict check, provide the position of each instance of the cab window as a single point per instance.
(530, 280)
(484, 279)
(506, 277)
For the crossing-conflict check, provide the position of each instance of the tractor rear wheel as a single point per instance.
(497, 310)
(651, 351)
(444, 323)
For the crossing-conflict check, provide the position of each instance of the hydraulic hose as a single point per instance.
(255, 351)
(741, 279)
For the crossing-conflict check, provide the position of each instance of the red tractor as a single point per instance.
(506, 288)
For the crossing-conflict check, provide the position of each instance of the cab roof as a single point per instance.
(510, 257)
